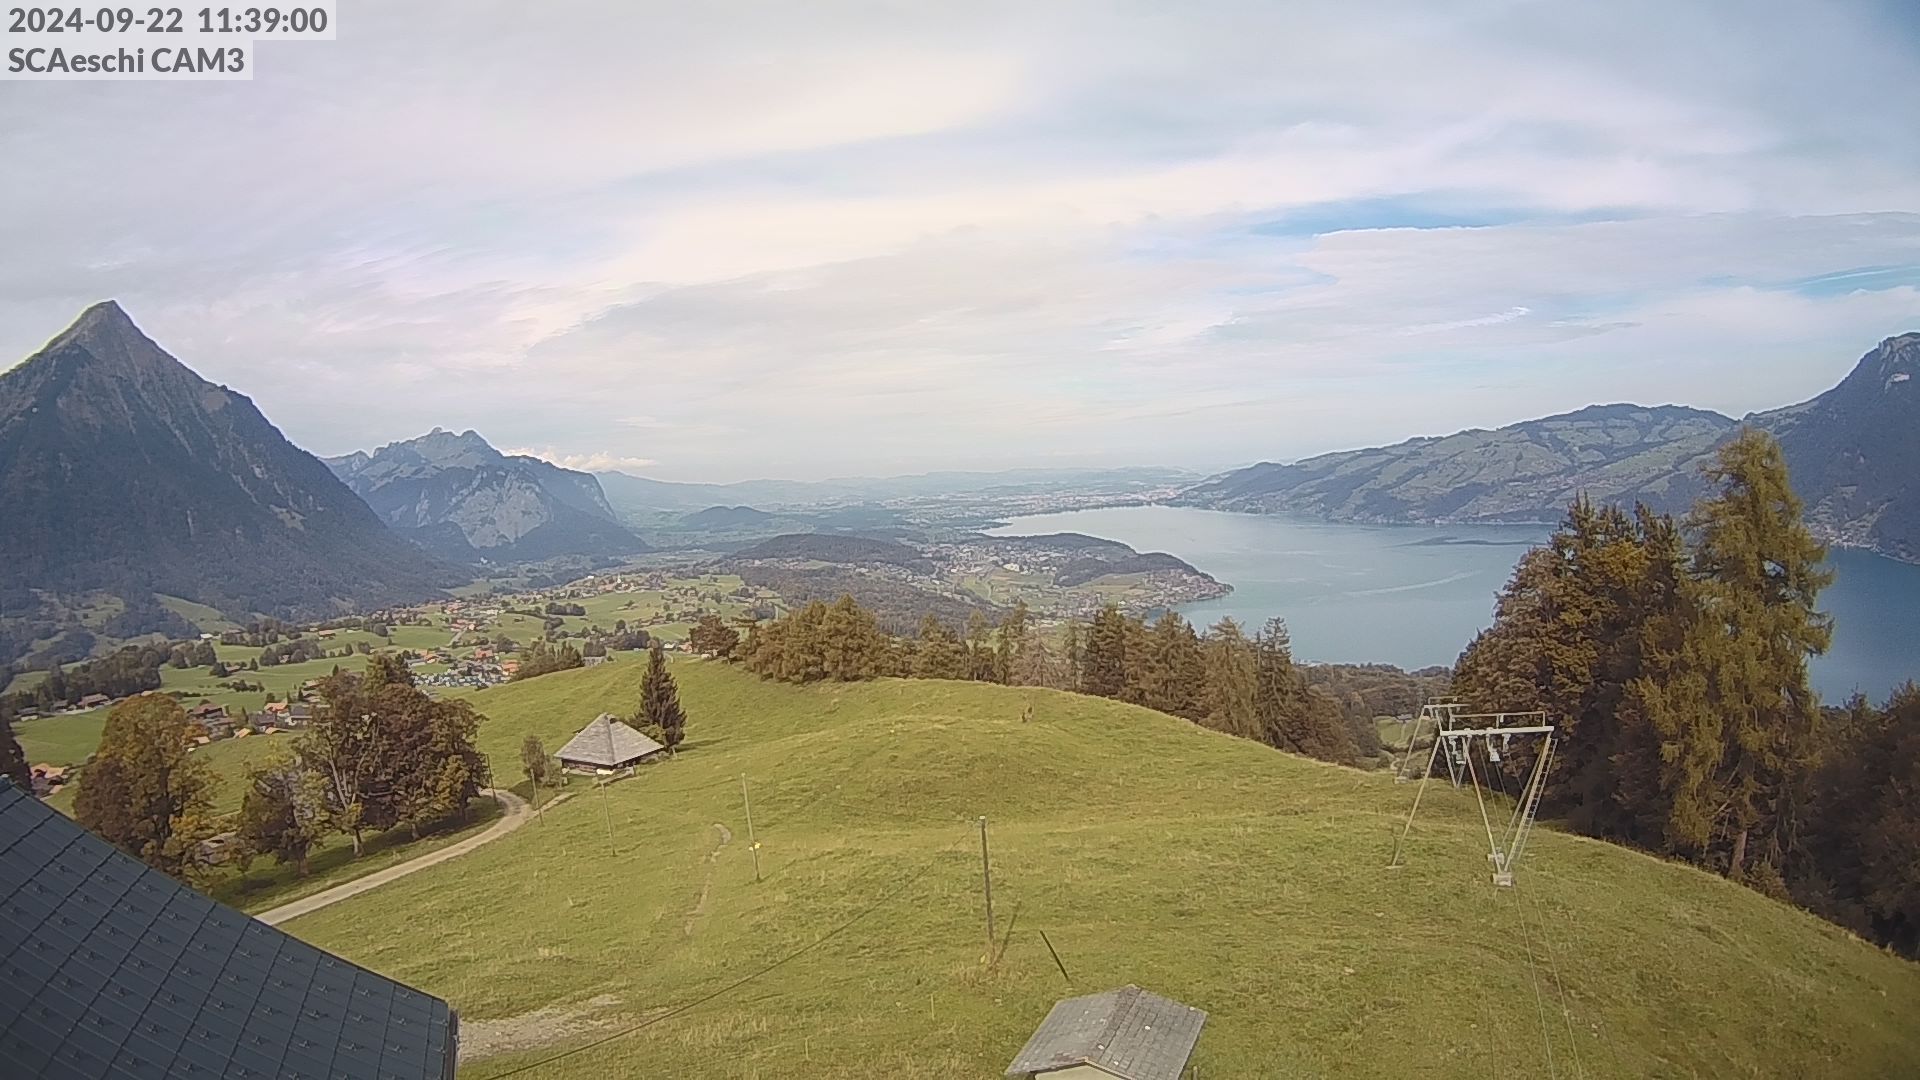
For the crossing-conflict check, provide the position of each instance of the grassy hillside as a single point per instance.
(1217, 871)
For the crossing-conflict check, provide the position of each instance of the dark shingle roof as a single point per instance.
(608, 743)
(108, 967)
(1128, 1032)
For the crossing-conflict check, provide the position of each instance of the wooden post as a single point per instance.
(752, 844)
(601, 783)
(986, 881)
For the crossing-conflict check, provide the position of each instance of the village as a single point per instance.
(460, 644)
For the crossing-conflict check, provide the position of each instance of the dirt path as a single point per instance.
(518, 813)
(700, 906)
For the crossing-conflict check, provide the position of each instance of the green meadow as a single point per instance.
(1222, 873)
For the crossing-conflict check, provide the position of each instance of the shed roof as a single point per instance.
(608, 743)
(1128, 1032)
(109, 967)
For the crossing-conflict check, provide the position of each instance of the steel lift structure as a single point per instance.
(1454, 734)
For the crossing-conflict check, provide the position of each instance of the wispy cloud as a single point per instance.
(592, 462)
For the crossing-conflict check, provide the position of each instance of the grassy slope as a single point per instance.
(1222, 873)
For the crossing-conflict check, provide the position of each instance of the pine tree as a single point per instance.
(660, 700)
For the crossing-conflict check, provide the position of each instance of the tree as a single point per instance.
(1173, 670)
(143, 793)
(13, 762)
(1289, 714)
(218, 670)
(1103, 670)
(940, 655)
(980, 665)
(388, 669)
(284, 812)
(541, 659)
(534, 761)
(1228, 656)
(660, 700)
(711, 636)
(1010, 650)
(1762, 573)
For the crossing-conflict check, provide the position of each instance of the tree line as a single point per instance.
(1224, 679)
(1672, 656)
(379, 755)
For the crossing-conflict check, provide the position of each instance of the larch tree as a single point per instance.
(660, 700)
(1228, 656)
(143, 793)
(1762, 573)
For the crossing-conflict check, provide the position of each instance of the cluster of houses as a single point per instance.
(475, 671)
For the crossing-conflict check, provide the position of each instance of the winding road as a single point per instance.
(518, 813)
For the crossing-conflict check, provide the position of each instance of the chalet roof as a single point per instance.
(109, 967)
(608, 743)
(1128, 1032)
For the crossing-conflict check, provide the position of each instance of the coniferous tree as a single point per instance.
(1762, 572)
(980, 659)
(1228, 656)
(660, 700)
(940, 654)
(13, 762)
(1010, 650)
(1174, 670)
(1103, 671)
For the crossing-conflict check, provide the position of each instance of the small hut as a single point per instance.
(606, 744)
(1124, 1034)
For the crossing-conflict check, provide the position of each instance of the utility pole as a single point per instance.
(986, 880)
(752, 844)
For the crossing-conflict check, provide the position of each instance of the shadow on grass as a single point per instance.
(336, 863)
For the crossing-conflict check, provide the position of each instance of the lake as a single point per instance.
(1415, 595)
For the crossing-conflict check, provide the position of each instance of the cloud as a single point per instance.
(934, 236)
(589, 462)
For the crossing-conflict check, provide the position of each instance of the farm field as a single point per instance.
(1216, 871)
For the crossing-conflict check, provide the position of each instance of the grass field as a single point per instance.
(1219, 872)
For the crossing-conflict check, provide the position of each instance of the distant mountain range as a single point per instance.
(634, 495)
(1854, 453)
(124, 473)
(460, 498)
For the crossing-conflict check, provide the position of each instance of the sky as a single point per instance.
(731, 240)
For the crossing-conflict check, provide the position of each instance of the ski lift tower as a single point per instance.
(1454, 734)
